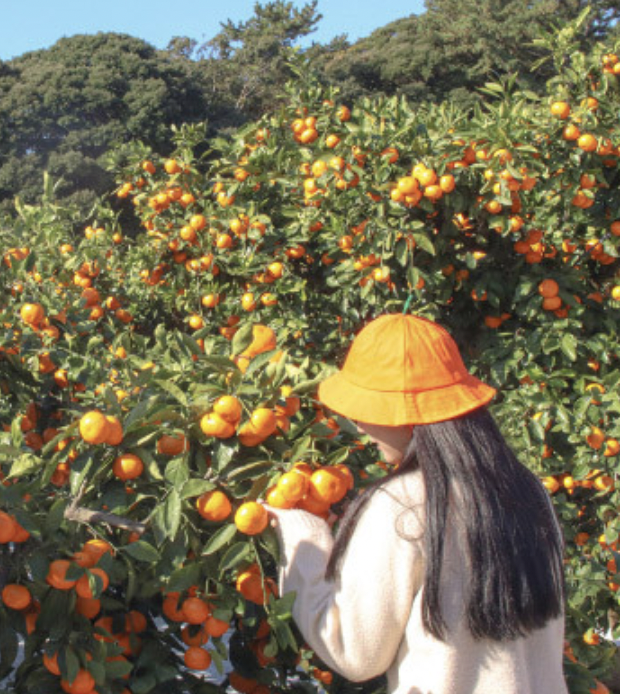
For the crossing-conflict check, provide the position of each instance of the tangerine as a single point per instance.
(128, 466)
(327, 486)
(16, 597)
(94, 427)
(251, 518)
(197, 658)
(214, 505)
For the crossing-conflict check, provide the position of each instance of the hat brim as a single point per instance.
(397, 408)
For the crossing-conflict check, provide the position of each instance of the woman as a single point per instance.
(446, 575)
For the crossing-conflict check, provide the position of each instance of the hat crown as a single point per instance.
(404, 353)
(403, 369)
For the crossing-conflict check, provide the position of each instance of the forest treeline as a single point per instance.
(63, 108)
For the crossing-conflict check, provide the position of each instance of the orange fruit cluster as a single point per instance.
(313, 490)
(11, 530)
(200, 625)
(222, 421)
(96, 427)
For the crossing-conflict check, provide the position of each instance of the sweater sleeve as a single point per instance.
(356, 623)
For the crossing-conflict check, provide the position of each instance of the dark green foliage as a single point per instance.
(245, 66)
(62, 108)
(453, 48)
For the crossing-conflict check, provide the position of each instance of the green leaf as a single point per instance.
(284, 605)
(195, 487)
(569, 346)
(24, 464)
(222, 455)
(220, 538)
(242, 339)
(173, 390)
(423, 242)
(177, 472)
(167, 517)
(142, 551)
(8, 646)
(183, 578)
(239, 552)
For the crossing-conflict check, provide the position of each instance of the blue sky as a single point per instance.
(29, 25)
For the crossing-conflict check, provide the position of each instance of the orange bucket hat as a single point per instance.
(403, 369)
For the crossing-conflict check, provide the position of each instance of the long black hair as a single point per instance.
(512, 538)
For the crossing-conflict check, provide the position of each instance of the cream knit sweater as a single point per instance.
(369, 621)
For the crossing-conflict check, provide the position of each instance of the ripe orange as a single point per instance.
(213, 424)
(88, 607)
(263, 340)
(195, 610)
(56, 575)
(171, 608)
(275, 269)
(172, 166)
(604, 483)
(273, 497)
(82, 587)
(248, 302)
(560, 109)
(595, 438)
(612, 447)
(114, 434)
(251, 518)
(345, 475)
(551, 484)
(214, 505)
(171, 444)
(552, 303)
(93, 427)
(195, 322)
(327, 486)
(308, 136)
(97, 548)
(84, 683)
(8, 528)
(548, 288)
(426, 177)
(293, 485)
(447, 183)
(128, 466)
(391, 153)
(251, 585)
(263, 421)
(571, 132)
(16, 597)
(50, 662)
(344, 113)
(228, 407)
(32, 314)
(407, 185)
(244, 685)
(197, 658)
(216, 627)
(135, 622)
(587, 142)
(195, 637)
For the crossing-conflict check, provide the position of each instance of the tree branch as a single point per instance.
(86, 516)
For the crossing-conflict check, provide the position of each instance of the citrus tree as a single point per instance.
(159, 373)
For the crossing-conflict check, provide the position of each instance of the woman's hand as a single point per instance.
(276, 513)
